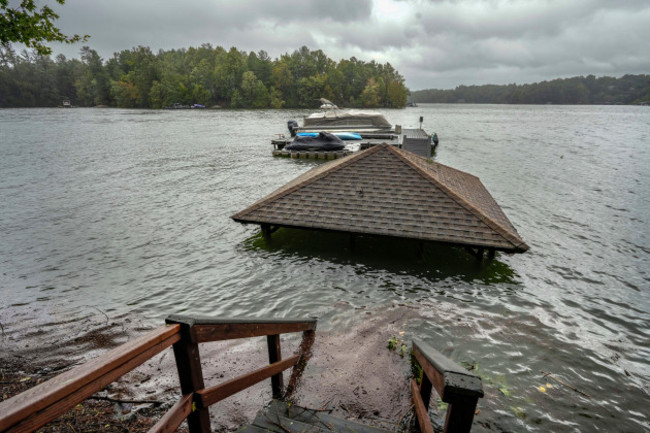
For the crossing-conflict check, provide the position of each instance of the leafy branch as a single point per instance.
(28, 25)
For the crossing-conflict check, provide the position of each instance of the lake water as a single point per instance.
(125, 214)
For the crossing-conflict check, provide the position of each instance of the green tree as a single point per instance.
(397, 94)
(93, 83)
(157, 95)
(283, 81)
(275, 98)
(228, 73)
(125, 94)
(262, 65)
(28, 25)
(253, 91)
(370, 94)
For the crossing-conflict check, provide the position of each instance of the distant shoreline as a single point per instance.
(581, 90)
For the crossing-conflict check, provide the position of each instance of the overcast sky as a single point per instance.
(433, 44)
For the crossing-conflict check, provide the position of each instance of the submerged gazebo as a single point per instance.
(387, 191)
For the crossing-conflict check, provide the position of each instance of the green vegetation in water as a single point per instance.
(416, 369)
(206, 75)
(396, 344)
(437, 262)
(497, 381)
(519, 412)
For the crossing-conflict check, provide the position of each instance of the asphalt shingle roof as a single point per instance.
(390, 192)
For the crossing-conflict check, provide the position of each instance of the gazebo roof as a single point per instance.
(388, 191)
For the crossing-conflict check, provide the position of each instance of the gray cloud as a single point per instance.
(440, 43)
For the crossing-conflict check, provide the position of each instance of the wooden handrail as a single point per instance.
(455, 385)
(175, 416)
(43, 403)
(209, 396)
(206, 329)
(420, 409)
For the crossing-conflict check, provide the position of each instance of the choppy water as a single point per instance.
(127, 213)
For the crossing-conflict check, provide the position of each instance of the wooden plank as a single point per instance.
(174, 416)
(436, 377)
(275, 355)
(67, 401)
(205, 333)
(420, 409)
(210, 396)
(102, 370)
(190, 374)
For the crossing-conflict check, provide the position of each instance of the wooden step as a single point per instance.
(279, 417)
(274, 422)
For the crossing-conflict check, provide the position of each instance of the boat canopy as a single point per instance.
(346, 118)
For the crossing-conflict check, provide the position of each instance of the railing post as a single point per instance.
(275, 355)
(455, 386)
(190, 374)
(425, 390)
(460, 414)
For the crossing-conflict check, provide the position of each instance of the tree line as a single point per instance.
(628, 89)
(207, 75)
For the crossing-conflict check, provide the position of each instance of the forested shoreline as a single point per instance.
(628, 89)
(211, 76)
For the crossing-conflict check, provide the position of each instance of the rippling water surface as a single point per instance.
(126, 213)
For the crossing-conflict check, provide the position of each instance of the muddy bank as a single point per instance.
(351, 373)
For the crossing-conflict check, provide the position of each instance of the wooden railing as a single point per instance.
(43, 403)
(455, 386)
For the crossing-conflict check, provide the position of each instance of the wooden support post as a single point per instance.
(353, 243)
(454, 384)
(188, 363)
(266, 231)
(425, 390)
(460, 414)
(420, 250)
(275, 355)
(479, 254)
(491, 254)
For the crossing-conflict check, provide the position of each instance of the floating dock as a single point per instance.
(311, 154)
(417, 141)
